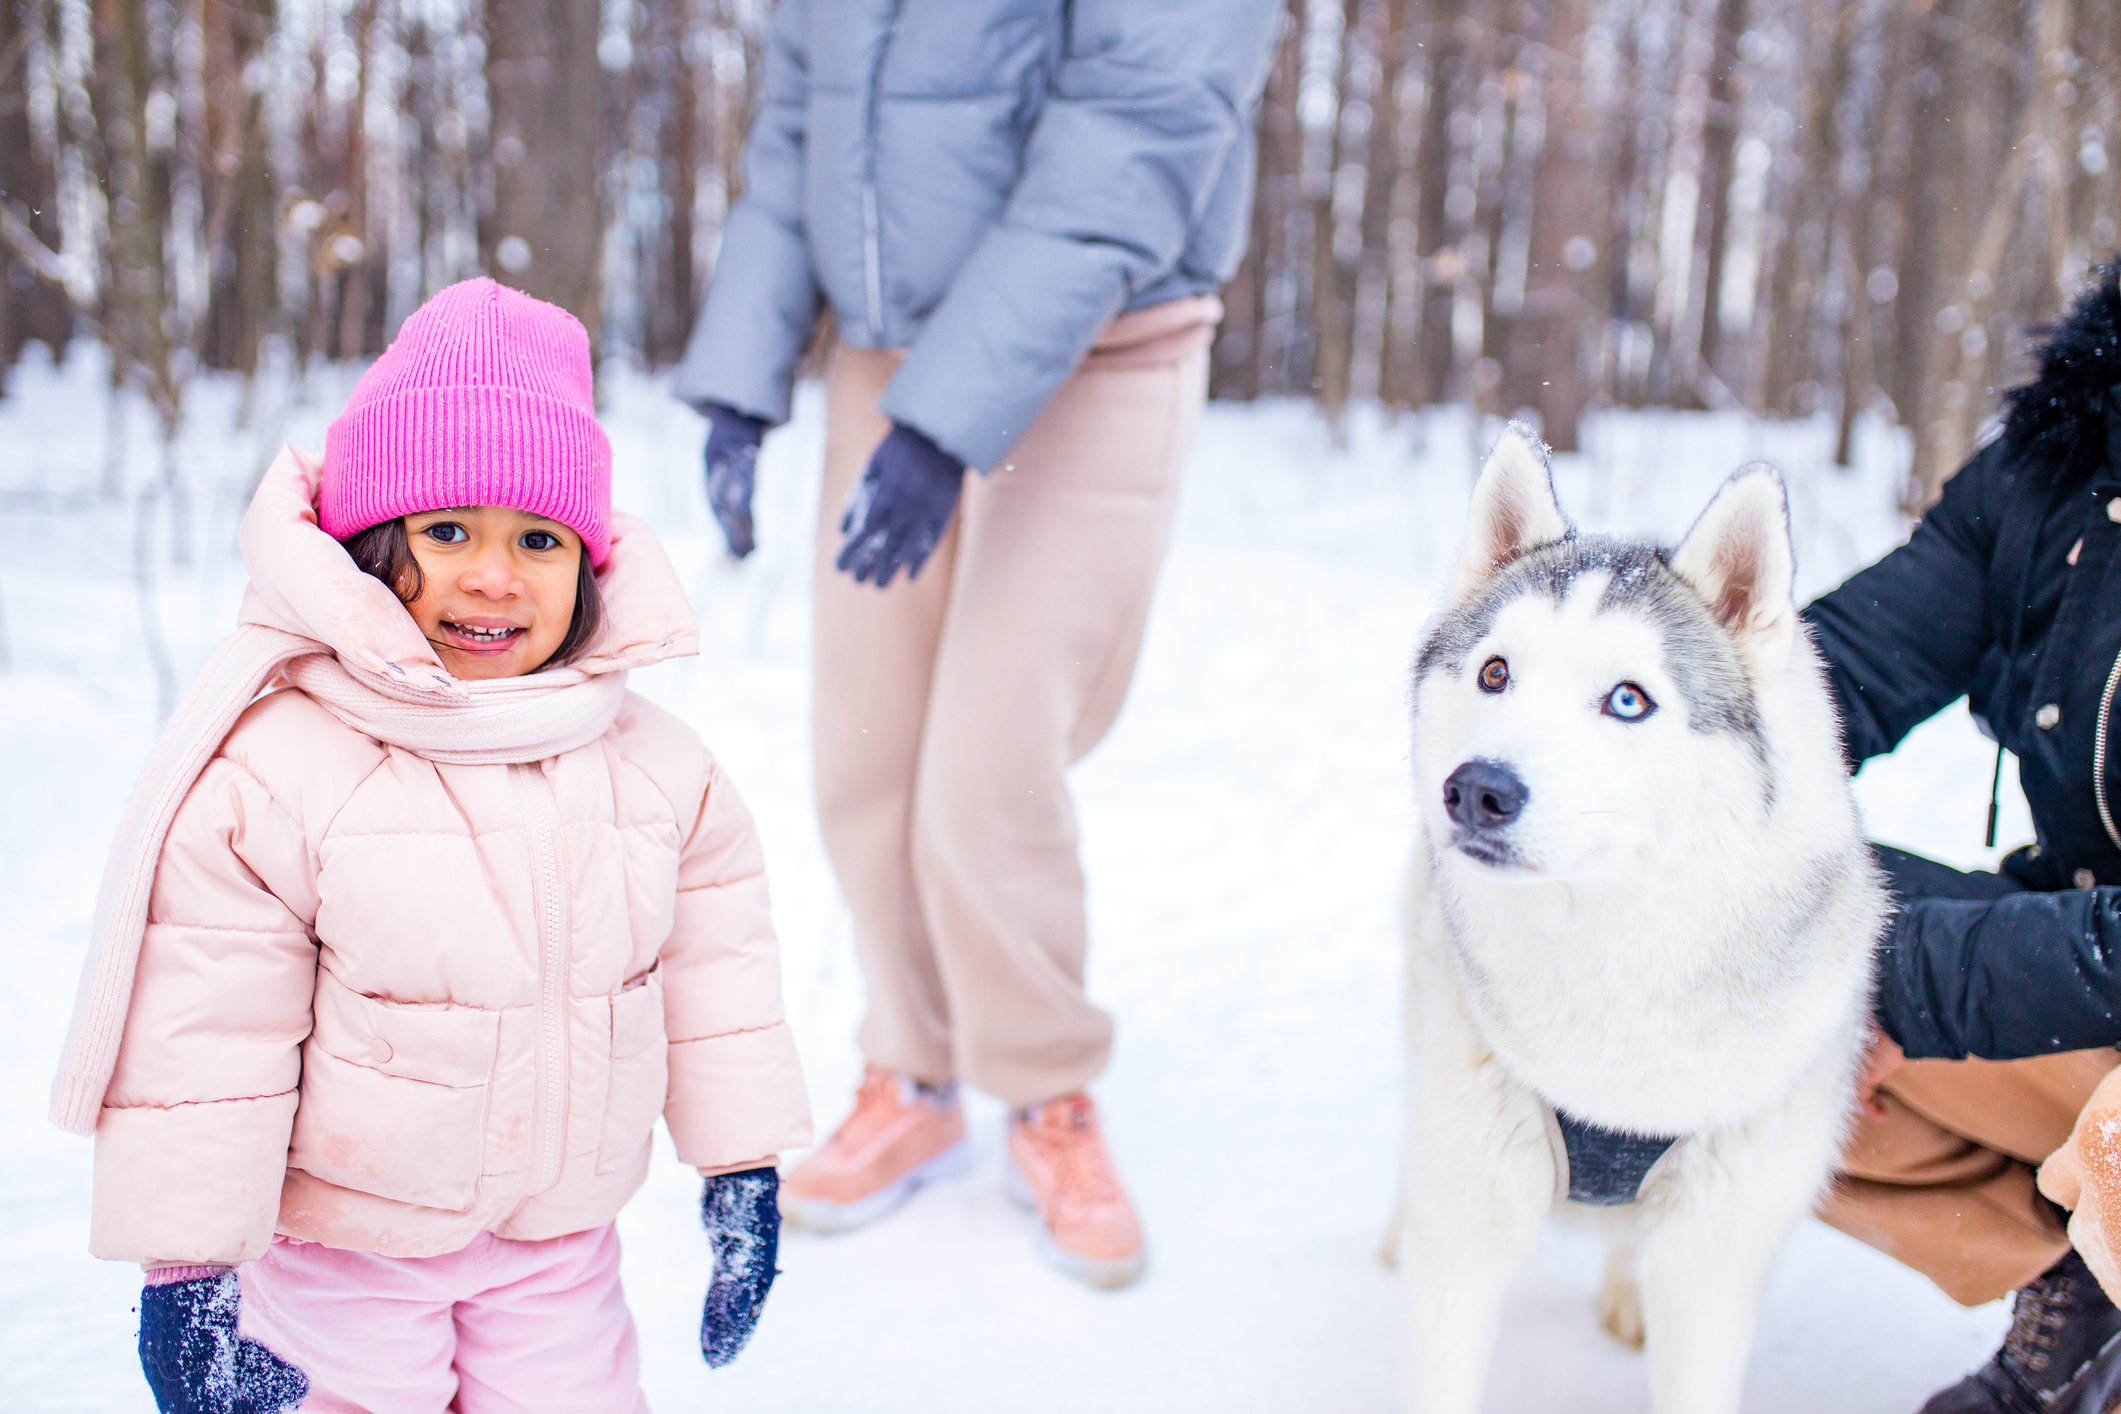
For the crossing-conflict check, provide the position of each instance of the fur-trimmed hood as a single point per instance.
(2068, 419)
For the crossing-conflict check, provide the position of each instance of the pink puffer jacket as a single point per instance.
(387, 1004)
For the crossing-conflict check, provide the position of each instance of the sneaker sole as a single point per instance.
(825, 1215)
(1090, 1271)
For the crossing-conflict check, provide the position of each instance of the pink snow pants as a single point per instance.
(501, 1327)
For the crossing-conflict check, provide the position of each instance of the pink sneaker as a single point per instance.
(1058, 1167)
(901, 1135)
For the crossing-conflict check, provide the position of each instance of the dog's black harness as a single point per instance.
(1607, 1166)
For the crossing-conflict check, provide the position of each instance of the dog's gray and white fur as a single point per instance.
(1663, 924)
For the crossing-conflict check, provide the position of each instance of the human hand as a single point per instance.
(900, 508)
(732, 470)
(743, 1218)
(2084, 1175)
(1879, 1062)
(195, 1361)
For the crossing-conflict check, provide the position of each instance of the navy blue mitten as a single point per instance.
(195, 1361)
(732, 471)
(900, 508)
(742, 1212)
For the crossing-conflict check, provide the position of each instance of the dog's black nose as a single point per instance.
(1484, 795)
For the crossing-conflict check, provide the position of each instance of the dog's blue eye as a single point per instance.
(1629, 703)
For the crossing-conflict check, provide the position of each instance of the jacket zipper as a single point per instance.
(2106, 712)
(872, 256)
(549, 891)
(872, 223)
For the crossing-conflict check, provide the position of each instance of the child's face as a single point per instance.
(498, 590)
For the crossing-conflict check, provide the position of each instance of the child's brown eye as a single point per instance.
(540, 540)
(448, 532)
(1494, 675)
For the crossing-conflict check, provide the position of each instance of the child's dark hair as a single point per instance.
(385, 552)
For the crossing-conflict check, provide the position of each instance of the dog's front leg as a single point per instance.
(1479, 1178)
(1710, 1231)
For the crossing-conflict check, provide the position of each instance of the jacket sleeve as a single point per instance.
(1903, 638)
(736, 1087)
(2026, 975)
(762, 300)
(1147, 105)
(191, 1147)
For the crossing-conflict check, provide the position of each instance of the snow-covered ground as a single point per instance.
(1243, 826)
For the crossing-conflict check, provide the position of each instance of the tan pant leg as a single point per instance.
(1060, 553)
(1944, 1182)
(873, 656)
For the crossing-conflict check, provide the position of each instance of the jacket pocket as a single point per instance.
(394, 1097)
(640, 1070)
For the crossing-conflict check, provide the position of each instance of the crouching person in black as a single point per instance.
(2002, 991)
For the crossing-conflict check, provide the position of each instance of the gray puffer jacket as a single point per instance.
(984, 183)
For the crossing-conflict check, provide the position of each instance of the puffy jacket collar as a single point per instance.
(2062, 423)
(302, 581)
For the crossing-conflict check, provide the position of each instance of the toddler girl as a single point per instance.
(396, 965)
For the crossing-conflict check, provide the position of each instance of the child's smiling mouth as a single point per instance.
(480, 637)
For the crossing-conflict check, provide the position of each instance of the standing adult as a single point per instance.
(1019, 212)
(2000, 993)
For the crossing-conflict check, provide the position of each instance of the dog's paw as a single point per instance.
(1388, 1250)
(1620, 1300)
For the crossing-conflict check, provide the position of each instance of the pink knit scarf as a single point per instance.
(479, 723)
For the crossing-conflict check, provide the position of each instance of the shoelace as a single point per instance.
(1085, 1167)
(877, 1103)
(2041, 1310)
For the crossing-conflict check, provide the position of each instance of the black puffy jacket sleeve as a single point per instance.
(1904, 638)
(2026, 975)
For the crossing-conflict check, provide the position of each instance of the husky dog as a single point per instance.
(1640, 926)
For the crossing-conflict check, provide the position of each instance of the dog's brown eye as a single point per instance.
(1494, 675)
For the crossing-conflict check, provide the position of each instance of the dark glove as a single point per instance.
(743, 1216)
(900, 508)
(732, 469)
(195, 1361)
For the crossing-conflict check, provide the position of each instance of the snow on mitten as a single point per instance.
(194, 1360)
(732, 459)
(743, 1216)
(898, 511)
(2084, 1175)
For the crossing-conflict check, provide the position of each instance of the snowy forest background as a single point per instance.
(1807, 206)
(1684, 234)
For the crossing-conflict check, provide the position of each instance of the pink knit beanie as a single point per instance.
(483, 399)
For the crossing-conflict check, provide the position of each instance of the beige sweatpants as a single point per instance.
(1943, 1179)
(949, 708)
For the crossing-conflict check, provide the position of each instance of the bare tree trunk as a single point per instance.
(1334, 235)
(546, 90)
(241, 292)
(1499, 194)
(1931, 212)
(1803, 243)
(1384, 21)
(1436, 233)
(31, 307)
(1558, 328)
(1962, 352)
(1398, 376)
(1719, 145)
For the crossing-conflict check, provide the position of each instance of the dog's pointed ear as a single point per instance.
(1738, 558)
(1514, 509)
